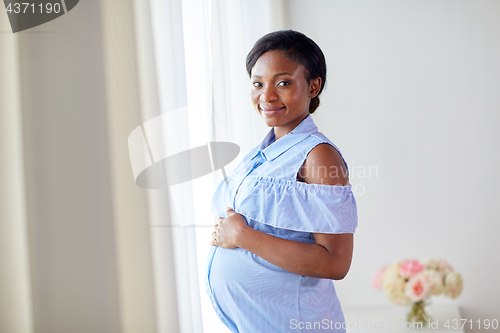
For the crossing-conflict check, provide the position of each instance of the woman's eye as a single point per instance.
(257, 84)
(283, 83)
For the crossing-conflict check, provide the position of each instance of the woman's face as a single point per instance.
(280, 92)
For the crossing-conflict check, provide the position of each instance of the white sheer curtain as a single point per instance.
(199, 55)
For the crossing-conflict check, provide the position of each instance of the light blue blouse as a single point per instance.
(248, 293)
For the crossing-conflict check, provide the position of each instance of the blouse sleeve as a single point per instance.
(298, 206)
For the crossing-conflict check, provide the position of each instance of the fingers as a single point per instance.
(220, 220)
(213, 242)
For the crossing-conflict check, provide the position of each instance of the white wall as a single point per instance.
(413, 90)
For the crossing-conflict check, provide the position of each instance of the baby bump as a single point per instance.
(242, 280)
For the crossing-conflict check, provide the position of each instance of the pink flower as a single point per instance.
(409, 268)
(418, 288)
(379, 278)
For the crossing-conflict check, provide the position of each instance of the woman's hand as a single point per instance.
(227, 231)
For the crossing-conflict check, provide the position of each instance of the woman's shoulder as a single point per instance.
(324, 164)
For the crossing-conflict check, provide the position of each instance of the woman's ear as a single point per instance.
(314, 87)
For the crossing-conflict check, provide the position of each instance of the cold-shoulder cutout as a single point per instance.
(324, 165)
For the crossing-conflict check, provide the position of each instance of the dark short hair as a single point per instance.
(298, 48)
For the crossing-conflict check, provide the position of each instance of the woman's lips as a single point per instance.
(269, 111)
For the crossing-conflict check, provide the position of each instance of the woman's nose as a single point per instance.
(269, 94)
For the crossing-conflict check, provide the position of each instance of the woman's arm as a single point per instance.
(329, 258)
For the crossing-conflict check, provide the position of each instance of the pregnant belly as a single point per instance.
(239, 264)
(250, 290)
(242, 281)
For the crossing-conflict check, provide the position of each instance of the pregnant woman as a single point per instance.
(287, 214)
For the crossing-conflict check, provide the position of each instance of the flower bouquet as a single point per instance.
(411, 282)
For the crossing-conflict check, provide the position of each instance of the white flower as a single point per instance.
(390, 273)
(453, 284)
(431, 264)
(394, 291)
(444, 266)
(418, 288)
(435, 281)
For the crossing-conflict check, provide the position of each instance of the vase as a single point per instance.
(418, 314)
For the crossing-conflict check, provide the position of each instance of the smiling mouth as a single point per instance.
(271, 111)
